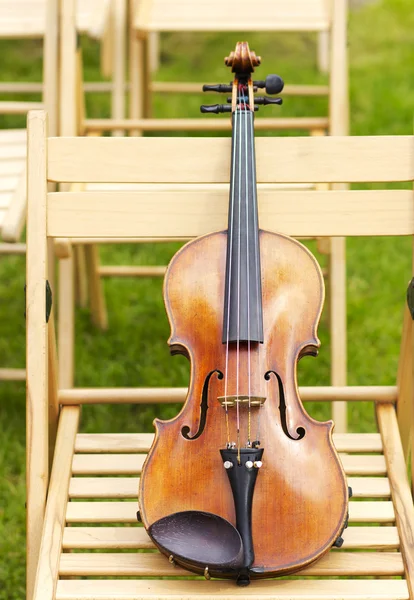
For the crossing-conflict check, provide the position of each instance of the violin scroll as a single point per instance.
(243, 60)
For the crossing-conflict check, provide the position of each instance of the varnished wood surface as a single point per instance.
(182, 474)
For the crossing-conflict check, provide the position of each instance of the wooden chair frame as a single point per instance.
(13, 142)
(154, 16)
(53, 412)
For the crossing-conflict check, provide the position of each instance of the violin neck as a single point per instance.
(243, 317)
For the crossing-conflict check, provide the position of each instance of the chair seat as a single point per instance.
(12, 181)
(101, 521)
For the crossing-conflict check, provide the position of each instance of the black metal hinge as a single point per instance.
(410, 297)
(48, 301)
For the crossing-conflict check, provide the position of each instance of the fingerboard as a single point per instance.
(243, 315)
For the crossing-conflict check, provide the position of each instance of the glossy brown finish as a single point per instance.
(300, 499)
(243, 60)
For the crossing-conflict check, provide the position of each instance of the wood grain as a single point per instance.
(184, 214)
(325, 159)
(386, 589)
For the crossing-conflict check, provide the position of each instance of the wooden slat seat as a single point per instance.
(189, 590)
(109, 498)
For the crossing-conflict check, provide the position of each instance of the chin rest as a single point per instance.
(199, 539)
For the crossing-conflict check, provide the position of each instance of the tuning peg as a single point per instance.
(273, 84)
(215, 108)
(265, 100)
(221, 88)
(230, 100)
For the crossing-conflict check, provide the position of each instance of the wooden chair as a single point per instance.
(39, 19)
(28, 20)
(159, 16)
(101, 470)
(104, 20)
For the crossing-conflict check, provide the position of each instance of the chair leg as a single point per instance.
(66, 322)
(136, 108)
(81, 287)
(52, 534)
(154, 52)
(119, 49)
(96, 294)
(323, 51)
(337, 273)
(139, 95)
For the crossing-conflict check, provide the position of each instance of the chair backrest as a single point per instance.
(202, 164)
(157, 212)
(323, 16)
(207, 161)
(326, 17)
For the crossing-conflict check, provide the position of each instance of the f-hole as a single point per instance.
(203, 408)
(282, 408)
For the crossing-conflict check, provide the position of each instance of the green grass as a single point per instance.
(134, 351)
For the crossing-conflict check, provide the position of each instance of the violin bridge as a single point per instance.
(229, 401)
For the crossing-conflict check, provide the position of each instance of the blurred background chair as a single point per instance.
(153, 17)
(23, 20)
(41, 19)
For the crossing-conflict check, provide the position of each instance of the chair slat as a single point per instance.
(131, 464)
(162, 395)
(127, 487)
(12, 136)
(211, 590)
(100, 538)
(141, 442)
(184, 214)
(324, 159)
(193, 124)
(107, 464)
(126, 512)
(8, 184)
(156, 565)
(113, 442)
(12, 152)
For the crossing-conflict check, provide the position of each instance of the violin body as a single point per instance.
(300, 499)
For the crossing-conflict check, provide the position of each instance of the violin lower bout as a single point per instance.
(300, 497)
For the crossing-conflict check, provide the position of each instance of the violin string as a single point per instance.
(246, 112)
(238, 285)
(229, 278)
(257, 270)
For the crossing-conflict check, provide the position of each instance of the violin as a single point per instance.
(243, 483)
